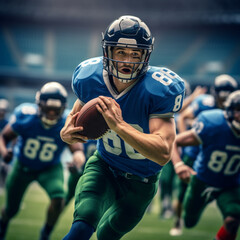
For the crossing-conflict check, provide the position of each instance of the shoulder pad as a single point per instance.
(87, 68)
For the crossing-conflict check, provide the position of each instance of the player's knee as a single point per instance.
(232, 224)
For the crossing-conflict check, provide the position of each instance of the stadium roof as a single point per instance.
(92, 12)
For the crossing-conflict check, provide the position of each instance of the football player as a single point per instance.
(167, 180)
(216, 175)
(36, 128)
(138, 102)
(223, 86)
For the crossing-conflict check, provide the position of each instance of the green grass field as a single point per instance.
(27, 224)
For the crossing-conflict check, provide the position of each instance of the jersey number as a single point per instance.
(33, 147)
(165, 76)
(218, 159)
(116, 145)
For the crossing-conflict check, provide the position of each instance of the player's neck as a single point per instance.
(119, 86)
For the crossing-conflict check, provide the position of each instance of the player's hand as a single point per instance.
(111, 111)
(70, 134)
(184, 172)
(7, 158)
(199, 90)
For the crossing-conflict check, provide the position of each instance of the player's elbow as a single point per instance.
(166, 157)
(163, 156)
(165, 149)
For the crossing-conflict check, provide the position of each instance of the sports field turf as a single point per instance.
(27, 224)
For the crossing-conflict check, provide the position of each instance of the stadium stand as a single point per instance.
(45, 40)
(6, 58)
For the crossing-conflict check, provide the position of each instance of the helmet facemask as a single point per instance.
(50, 111)
(232, 107)
(51, 101)
(132, 33)
(138, 69)
(224, 85)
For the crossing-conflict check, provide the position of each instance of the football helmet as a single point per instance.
(127, 32)
(232, 106)
(223, 85)
(52, 100)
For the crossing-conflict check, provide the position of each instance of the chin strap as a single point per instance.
(47, 122)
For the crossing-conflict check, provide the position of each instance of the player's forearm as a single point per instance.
(181, 124)
(79, 158)
(63, 131)
(151, 146)
(187, 138)
(176, 159)
(3, 149)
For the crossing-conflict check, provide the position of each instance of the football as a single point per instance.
(92, 121)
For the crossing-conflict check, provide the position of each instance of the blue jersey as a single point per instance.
(202, 103)
(190, 151)
(158, 94)
(36, 147)
(218, 162)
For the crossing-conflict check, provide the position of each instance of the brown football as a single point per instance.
(92, 121)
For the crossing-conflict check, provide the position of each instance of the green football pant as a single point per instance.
(200, 194)
(167, 181)
(50, 179)
(182, 186)
(113, 205)
(72, 182)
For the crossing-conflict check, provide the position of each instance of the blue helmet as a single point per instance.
(127, 32)
(51, 97)
(231, 105)
(224, 84)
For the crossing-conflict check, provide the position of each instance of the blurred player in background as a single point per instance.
(4, 168)
(223, 86)
(76, 171)
(138, 103)
(37, 154)
(167, 181)
(217, 173)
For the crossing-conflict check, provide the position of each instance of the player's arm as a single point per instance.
(69, 132)
(187, 101)
(78, 157)
(7, 135)
(156, 146)
(187, 138)
(185, 116)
